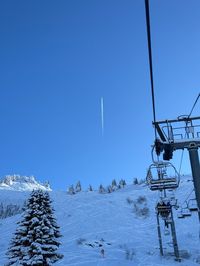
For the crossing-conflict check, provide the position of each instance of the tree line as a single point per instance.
(104, 189)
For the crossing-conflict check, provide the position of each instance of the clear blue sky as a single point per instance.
(58, 58)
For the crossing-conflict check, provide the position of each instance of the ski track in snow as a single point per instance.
(93, 216)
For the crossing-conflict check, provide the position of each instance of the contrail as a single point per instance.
(102, 117)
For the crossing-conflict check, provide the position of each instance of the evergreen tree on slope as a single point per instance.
(114, 185)
(35, 240)
(71, 190)
(102, 189)
(90, 188)
(78, 187)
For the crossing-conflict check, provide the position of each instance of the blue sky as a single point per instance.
(58, 58)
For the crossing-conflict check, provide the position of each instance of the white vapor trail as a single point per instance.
(102, 116)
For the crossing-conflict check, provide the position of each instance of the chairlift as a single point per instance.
(185, 212)
(192, 205)
(164, 209)
(180, 215)
(158, 178)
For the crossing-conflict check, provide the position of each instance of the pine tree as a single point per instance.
(78, 187)
(36, 239)
(114, 185)
(135, 181)
(90, 188)
(109, 189)
(122, 183)
(71, 190)
(101, 189)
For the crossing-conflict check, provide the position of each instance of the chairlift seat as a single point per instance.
(159, 180)
(193, 209)
(161, 186)
(180, 216)
(192, 205)
(186, 213)
(164, 210)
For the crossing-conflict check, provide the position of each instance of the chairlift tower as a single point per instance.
(179, 134)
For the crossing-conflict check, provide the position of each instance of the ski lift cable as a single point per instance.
(150, 60)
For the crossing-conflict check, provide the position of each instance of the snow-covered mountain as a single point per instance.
(122, 222)
(22, 183)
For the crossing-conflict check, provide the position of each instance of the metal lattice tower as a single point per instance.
(179, 134)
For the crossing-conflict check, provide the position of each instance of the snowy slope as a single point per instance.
(21, 183)
(90, 219)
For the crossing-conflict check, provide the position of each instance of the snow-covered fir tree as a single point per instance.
(109, 189)
(78, 186)
(36, 239)
(114, 184)
(71, 190)
(122, 183)
(135, 181)
(90, 188)
(102, 189)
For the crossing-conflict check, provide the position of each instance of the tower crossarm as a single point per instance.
(183, 144)
(181, 133)
(179, 119)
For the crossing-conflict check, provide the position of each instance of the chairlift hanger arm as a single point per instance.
(160, 133)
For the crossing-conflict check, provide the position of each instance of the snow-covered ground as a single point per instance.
(91, 221)
(22, 183)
